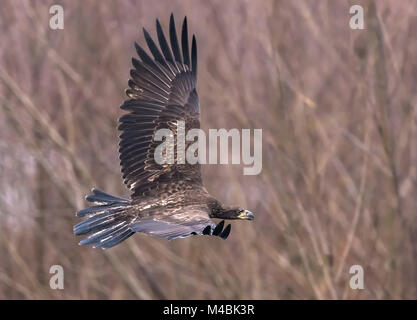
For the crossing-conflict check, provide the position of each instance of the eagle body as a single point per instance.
(167, 199)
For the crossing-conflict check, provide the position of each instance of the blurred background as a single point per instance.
(339, 180)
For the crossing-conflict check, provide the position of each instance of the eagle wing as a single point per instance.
(112, 220)
(178, 223)
(162, 92)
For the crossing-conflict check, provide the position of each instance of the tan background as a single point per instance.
(339, 181)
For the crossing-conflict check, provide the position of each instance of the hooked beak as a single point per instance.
(246, 215)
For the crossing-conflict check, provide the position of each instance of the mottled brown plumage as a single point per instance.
(167, 200)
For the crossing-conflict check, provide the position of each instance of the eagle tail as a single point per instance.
(105, 223)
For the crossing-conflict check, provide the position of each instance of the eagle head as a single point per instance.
(234, 214)
(245, 215)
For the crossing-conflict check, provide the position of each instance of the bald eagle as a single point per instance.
(167, 200)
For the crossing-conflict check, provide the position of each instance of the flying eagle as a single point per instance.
(167, 200)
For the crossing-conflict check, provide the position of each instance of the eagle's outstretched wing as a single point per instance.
(181, 223)
(113, 219)
(162, 91)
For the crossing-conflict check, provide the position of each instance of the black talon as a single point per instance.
(226, 232)
(218, 228)
(207, 230)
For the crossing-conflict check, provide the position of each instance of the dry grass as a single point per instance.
(339, 181)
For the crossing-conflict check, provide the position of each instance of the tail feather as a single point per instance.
(115, 238)
(94, 223)
(109, 208)
(105, 234)
(105, 222)
(103, 197)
